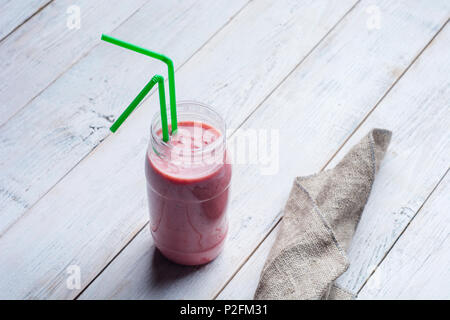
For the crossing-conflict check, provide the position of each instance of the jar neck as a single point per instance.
(200, 139)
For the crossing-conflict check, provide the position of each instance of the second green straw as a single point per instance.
(162, 102)
(170, 70)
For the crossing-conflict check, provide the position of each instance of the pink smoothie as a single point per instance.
(188, 195)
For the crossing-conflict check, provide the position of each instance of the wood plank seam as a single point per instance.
(418, 266)
(147, 97)
(66, 69)
(279, 217)
(43, 195)
(367, 108)
(387, 92)
(404, 229)
(26, 20)
(138, 231)
(214, 34)
(334, 155)
(240, 125)
(109, 262)
(294, 68)
(105, 126)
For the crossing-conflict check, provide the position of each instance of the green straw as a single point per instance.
(163, 58)
(162, 102)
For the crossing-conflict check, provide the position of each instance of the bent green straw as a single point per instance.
(161, 57)
(162, 102)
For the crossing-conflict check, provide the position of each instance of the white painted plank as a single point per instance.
(418, 266)
(15, 13)
(417, 158)
(77, 121)
(63, 124)
(320, 97)
(244, 283)
(94, 213)
(418, 112)
(45, 47)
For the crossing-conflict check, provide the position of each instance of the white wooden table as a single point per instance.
(322, 72)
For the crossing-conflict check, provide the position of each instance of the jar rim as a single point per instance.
(220, 142)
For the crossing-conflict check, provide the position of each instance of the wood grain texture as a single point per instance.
(91, 214)
(243, 285)
(14, 13)
(52, 134)
(418, 266)
(319, 95)
(417, 111)
(416, 160)
(44, 48)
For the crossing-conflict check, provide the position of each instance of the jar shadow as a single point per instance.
(165, 273)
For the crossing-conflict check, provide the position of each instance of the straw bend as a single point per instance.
(161, 57)
(162, 102)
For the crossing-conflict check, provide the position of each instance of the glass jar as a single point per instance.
(188, 181)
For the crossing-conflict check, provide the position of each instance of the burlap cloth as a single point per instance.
(319, 221)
